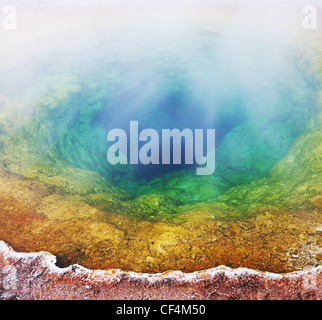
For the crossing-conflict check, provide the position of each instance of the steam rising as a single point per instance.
(196, 64)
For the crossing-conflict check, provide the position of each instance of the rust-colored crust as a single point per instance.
(29, 276)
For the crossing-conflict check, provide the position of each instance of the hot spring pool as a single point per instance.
(261, 208)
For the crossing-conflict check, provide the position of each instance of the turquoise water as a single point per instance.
(59, 193)
(255, 94)
(257, 99)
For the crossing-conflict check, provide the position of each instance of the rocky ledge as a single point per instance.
(35, 276)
